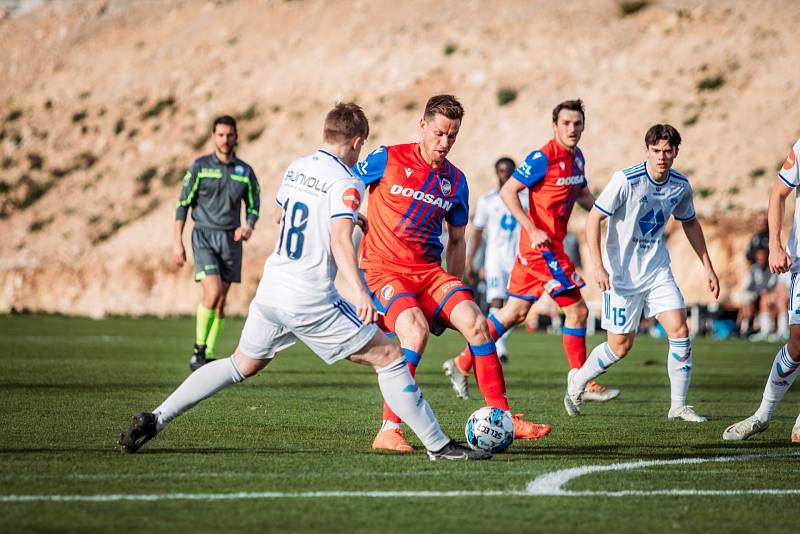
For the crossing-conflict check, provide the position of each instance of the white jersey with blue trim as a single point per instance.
(316, 189)
(500, 228)
(638, 209)
(790, 176)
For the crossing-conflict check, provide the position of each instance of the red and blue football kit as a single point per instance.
(408, 201)
(400, 255)
(554, 176)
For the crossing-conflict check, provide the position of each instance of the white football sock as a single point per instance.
(783, 325)
(598, 362)
(501, 343)
(764, 324)
(781, 378)
(199, 385)
(679, 369)
(405, 399)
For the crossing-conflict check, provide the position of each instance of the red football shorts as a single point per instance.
(434, 291)
(548, 271)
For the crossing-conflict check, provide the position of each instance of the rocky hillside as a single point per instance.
(104, 104)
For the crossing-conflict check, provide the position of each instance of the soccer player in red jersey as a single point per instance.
(555, 180)
(413, 190)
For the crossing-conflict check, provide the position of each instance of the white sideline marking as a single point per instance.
(547, 485)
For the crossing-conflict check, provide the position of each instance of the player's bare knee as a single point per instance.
(621, 346)
(577, 313)
(476, 330)
(679, 332)
(248, 366)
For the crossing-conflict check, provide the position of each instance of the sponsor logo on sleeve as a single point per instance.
(790, 160)
(351, 198)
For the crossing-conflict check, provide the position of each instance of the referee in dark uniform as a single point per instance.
(214, 187)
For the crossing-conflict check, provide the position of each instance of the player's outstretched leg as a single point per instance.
(781, 377)
(199, 385)
(458, 369)
(599, 361)
(466, 317)
(390, 437)
(402, 394)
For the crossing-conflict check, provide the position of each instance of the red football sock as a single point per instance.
(412, 359)
(574, 340)
(464, 361)
(489, 375)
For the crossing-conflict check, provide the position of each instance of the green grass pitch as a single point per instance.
(70, 385)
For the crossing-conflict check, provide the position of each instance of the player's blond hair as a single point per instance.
(345, 122)
(446, 105)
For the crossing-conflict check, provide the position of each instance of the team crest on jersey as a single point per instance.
(579, 163)
(387, 291)
(238, 169)
(408, 170)
(445, 185)
(351, 198)
(790, 161)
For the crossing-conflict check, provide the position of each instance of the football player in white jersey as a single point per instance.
(784, 368)
(638, 202)
(317, 208)
(494, 222)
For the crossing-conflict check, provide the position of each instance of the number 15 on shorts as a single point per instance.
(613, 314)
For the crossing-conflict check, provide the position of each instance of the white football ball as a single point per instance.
(489, 429)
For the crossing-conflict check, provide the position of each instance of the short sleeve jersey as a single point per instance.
(408, 202)
(554, 176)
(316, 189)
(638, 209)
(790, 176)
(500, 229)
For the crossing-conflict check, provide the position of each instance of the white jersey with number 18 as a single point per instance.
(638, 209)
(315, 190)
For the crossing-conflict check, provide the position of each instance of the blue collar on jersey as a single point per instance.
(337, 160)
(657, 184)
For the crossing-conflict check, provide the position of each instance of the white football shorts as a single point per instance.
(496, 283)
(622, 313)
(332, 330)
(794, 299)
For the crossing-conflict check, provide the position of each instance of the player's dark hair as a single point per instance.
(224, 119)
(505, 159)
(662, 131)
(571, 105)
(446, 105)
(344, 122)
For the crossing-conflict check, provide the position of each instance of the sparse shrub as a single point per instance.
(86, 160)
(705, 192)
(16, 138)
(200, 142)
(33, 191)
(84, 95)
(276, 108)
(39, 224)
(35, 161)
(144, 179)
(5, 187)
(733, 190)
(6, 163)
(101, 112)
(249, 114)
(116, 224)
(711, 83)
(757, 173)
(13, 115)
(691, 119)
(79, 116)
(151, 206)
(133, 133)
(94, 219)
(450, 48)
(171, 176)
(506, 95)
(119, 126)
(410, 105)
(631, 7)
(254, 136)
(48, 104)
(160, 105)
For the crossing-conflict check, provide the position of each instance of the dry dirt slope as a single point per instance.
(102, 105)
